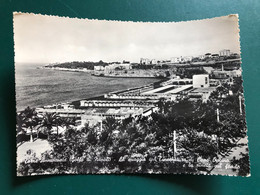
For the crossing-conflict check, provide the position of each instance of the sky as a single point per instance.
(52, 39)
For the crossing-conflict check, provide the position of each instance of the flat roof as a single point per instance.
(203, 89)
(158, 89)
(179, 89)
(111, 111)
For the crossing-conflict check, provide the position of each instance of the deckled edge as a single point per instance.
(16, 165)
(239, 39)
(124, 21)
(147, 22)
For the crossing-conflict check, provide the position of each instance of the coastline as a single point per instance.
(101, 96)
(68, 69)
(96, 75)
(120, 76)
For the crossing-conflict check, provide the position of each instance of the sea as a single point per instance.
(36, 87)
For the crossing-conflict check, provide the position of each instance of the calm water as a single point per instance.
(39, 87)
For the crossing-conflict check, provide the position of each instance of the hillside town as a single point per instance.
(165, 68)
(150, 68)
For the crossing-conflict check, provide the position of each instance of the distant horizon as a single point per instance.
(52, 39)
(112, 61)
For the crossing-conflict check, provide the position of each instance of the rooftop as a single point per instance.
(203, 90)
(112, 111)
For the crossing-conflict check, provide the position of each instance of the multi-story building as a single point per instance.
(99, 68)
(200, 81)
(207, 55)
(181, 59)
(187, 58)
(176, 60)
(201, 57)
(201, 88)
(225, 52)
(145, 61)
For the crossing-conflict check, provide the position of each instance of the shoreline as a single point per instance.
(105, 76)
(98, 97)
(137, 77)
(68, 69)
(101, 97)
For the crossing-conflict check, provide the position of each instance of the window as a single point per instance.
(206, 80)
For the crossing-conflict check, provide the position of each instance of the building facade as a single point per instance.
(224, 52)
(200, 81)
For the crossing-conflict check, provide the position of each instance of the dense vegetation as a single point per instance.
(79, 65)
(145, 144)
(189, 72)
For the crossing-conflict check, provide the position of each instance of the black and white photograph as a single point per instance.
(122, 97)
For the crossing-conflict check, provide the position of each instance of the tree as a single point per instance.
(126, 122)
(196, 124)
(20, 123)
(242, 163)
(197, 144)
(110, 124)
(20, 128)
(49, 121)
(30, 119)
(67, 122)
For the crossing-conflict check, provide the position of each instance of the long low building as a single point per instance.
(169, 89)
(157, 90)
(177, 81)
(220, 74)
(179, 89)
(139, 97)
(92, 116)
(109, 103)
(62, 112)
(202, 93)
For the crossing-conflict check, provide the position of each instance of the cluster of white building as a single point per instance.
(146, 61)
(186, 59)
(181, 59)
(174, 60)
(225, 52)
(111, 67)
